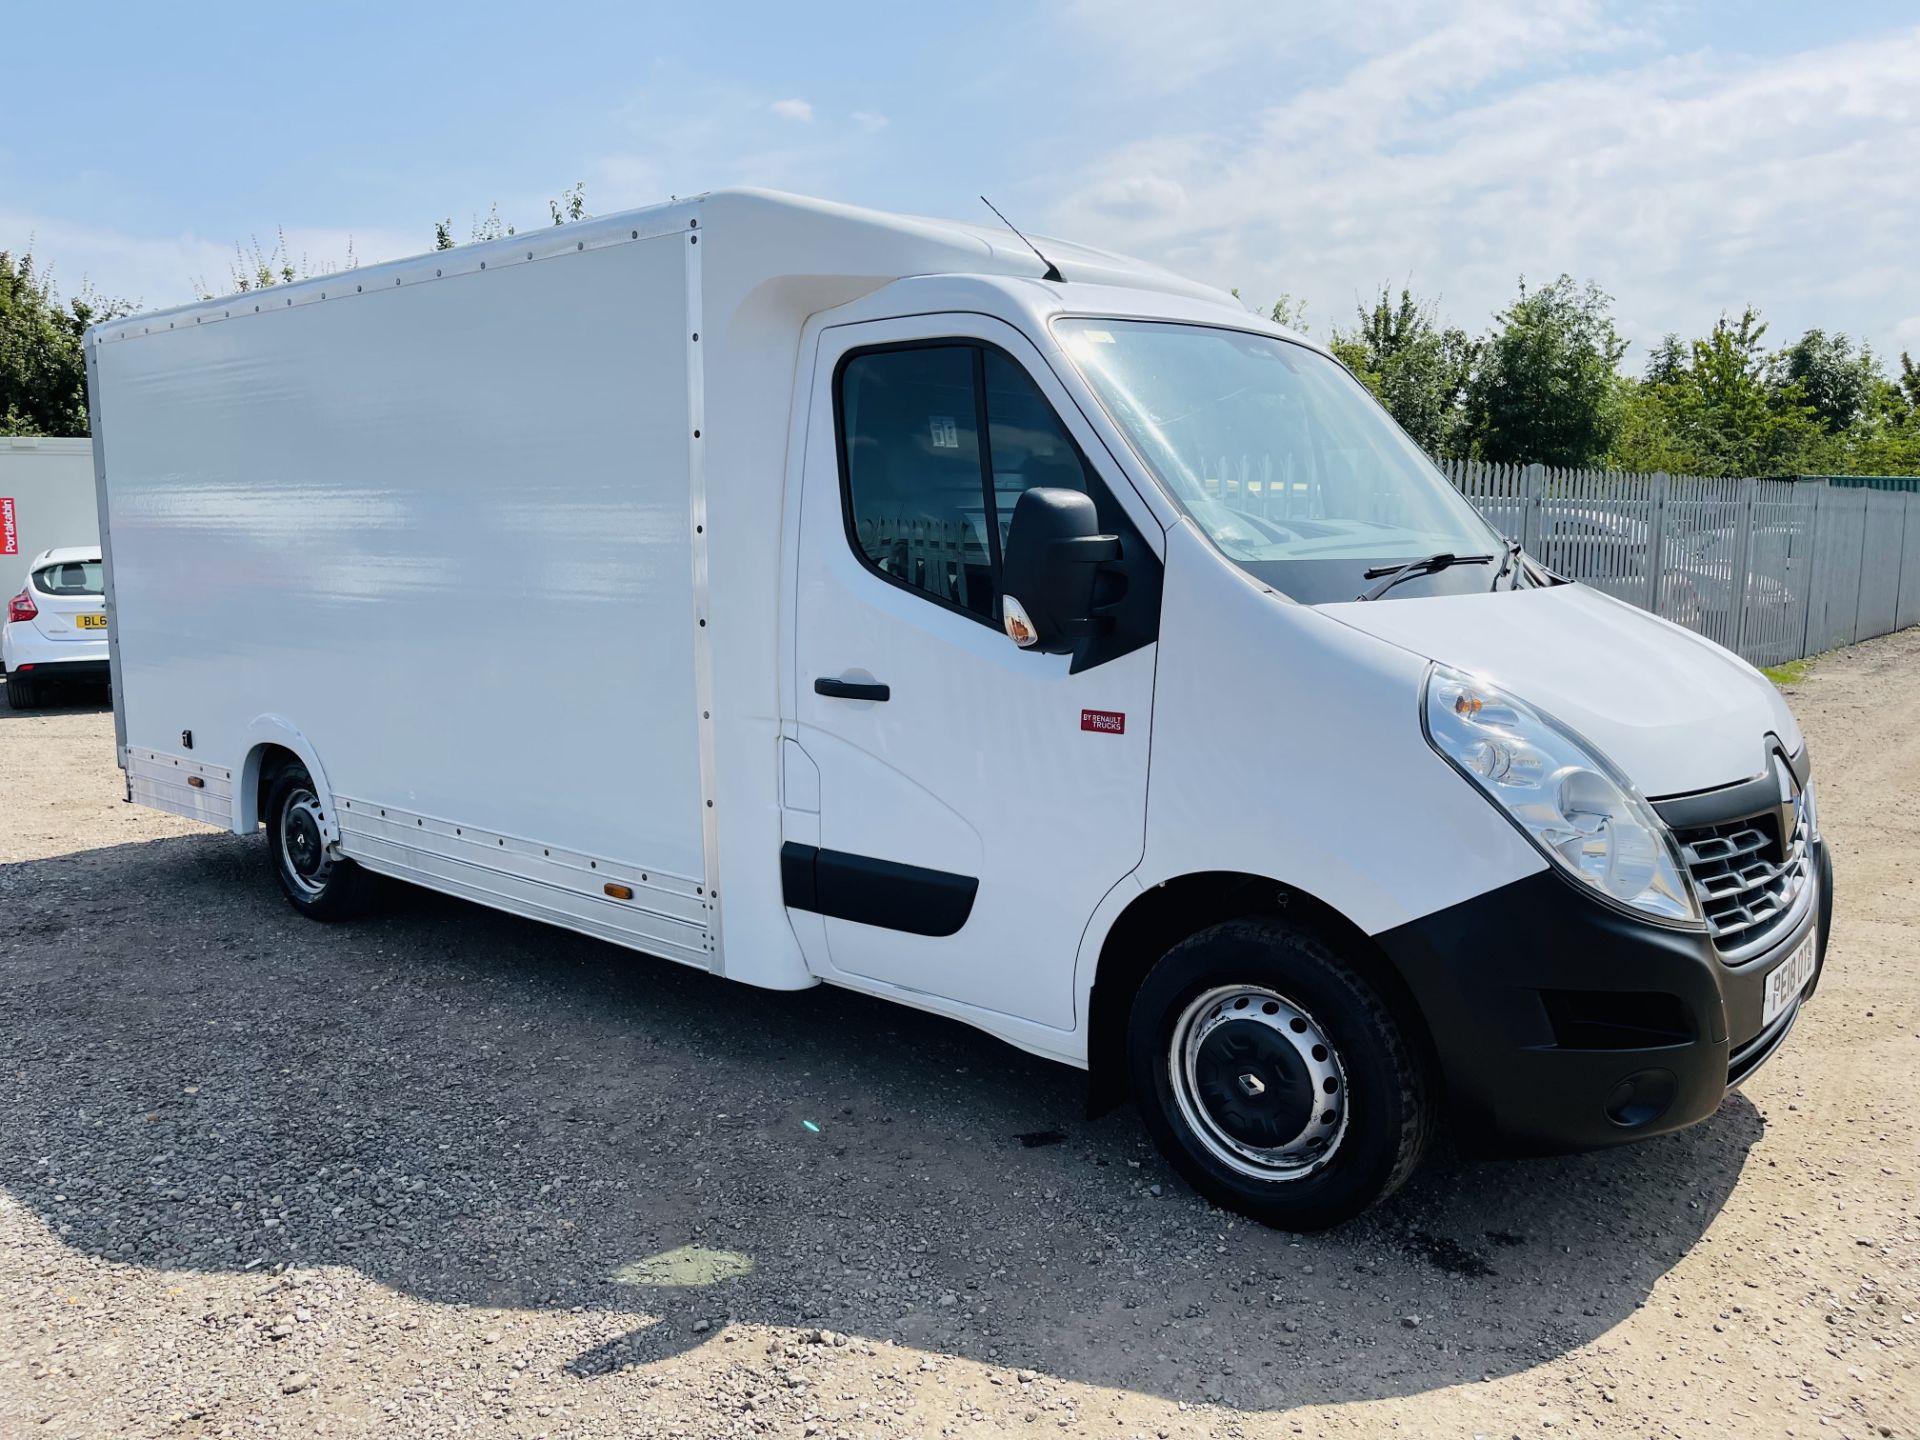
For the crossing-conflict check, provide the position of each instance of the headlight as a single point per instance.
(1565, 795)
(1813, 812)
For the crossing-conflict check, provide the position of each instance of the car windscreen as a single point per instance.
(1275, 451)
(70, 579)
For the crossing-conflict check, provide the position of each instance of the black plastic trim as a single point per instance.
(1755, 796)
(55, 670)
(1482, 974)
(871, 891)
(796, 876)
(1757, 1051)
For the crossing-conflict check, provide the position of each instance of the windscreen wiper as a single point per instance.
(1432, 564)
(1507, 558)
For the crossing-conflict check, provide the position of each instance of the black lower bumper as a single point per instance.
(90, 672)
(1560, 1024)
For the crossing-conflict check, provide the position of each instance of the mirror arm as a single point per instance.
(1094, 550)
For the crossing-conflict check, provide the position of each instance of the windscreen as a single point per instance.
(1281, 457)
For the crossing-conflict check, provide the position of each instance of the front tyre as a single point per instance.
(1274, 1077)
(318, 883)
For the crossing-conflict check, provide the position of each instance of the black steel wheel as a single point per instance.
(318, 881)
(1274, 1077)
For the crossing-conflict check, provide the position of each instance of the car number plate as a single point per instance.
(1789, 978)
(89, 622)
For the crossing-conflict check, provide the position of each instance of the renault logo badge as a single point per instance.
(1792, 802)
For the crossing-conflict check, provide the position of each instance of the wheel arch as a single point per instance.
(1161, 916)
(270, 741)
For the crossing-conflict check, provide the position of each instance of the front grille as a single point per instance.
(1748, 882)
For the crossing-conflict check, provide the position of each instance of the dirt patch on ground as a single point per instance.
(447, 1172)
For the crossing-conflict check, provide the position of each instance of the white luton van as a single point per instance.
(809, 594)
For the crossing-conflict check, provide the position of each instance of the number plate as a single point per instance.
(89, 622)
(1789, 978)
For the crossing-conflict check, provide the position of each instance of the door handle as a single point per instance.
(850, 689)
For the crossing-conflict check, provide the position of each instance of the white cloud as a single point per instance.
(869, 121)
(798, 110)
(1516, 138)
(1138, 196)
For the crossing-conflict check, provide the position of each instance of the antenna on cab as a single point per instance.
(1053, 270)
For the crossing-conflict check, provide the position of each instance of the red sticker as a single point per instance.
(9, 527)
(1105, 722)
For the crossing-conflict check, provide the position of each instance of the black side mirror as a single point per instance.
(1048, 574)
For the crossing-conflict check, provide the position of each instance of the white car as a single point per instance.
(56, 626)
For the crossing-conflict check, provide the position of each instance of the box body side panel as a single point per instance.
(441, 530)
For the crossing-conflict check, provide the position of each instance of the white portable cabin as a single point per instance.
(46, 502)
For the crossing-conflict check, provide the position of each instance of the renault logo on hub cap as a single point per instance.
(1252, 1086)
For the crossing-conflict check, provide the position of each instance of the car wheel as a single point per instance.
(1274, 1077)
(23, 692)
(318, 882)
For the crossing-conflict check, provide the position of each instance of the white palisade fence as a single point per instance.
(1772, 569)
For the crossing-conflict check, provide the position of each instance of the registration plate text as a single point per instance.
(1787, 979)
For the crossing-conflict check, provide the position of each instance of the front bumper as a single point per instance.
(1560, 1024)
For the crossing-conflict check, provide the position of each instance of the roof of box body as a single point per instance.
(900, 245)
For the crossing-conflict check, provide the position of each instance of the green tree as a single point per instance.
(1418, 370)
(259, 267)
(1544, 387)
(1725, 410)
(1668, 360)
(1286, 311)
(1882, 439)
(1826, 374)
(1289, 312)
(43, 368)
(569, 205)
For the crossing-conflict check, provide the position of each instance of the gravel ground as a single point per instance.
(444, 1172)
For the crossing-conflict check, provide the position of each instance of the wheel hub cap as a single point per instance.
(303, 846)
(303, 842)
(1253, 1083)
(1258, 1082)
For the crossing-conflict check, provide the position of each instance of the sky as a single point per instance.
(1690, 158)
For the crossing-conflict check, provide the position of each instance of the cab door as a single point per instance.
(974, 801)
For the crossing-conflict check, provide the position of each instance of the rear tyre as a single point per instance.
(23, 692)
(319, 883)
(1274, 1077)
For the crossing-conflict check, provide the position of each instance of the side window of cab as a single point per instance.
(927, 503)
